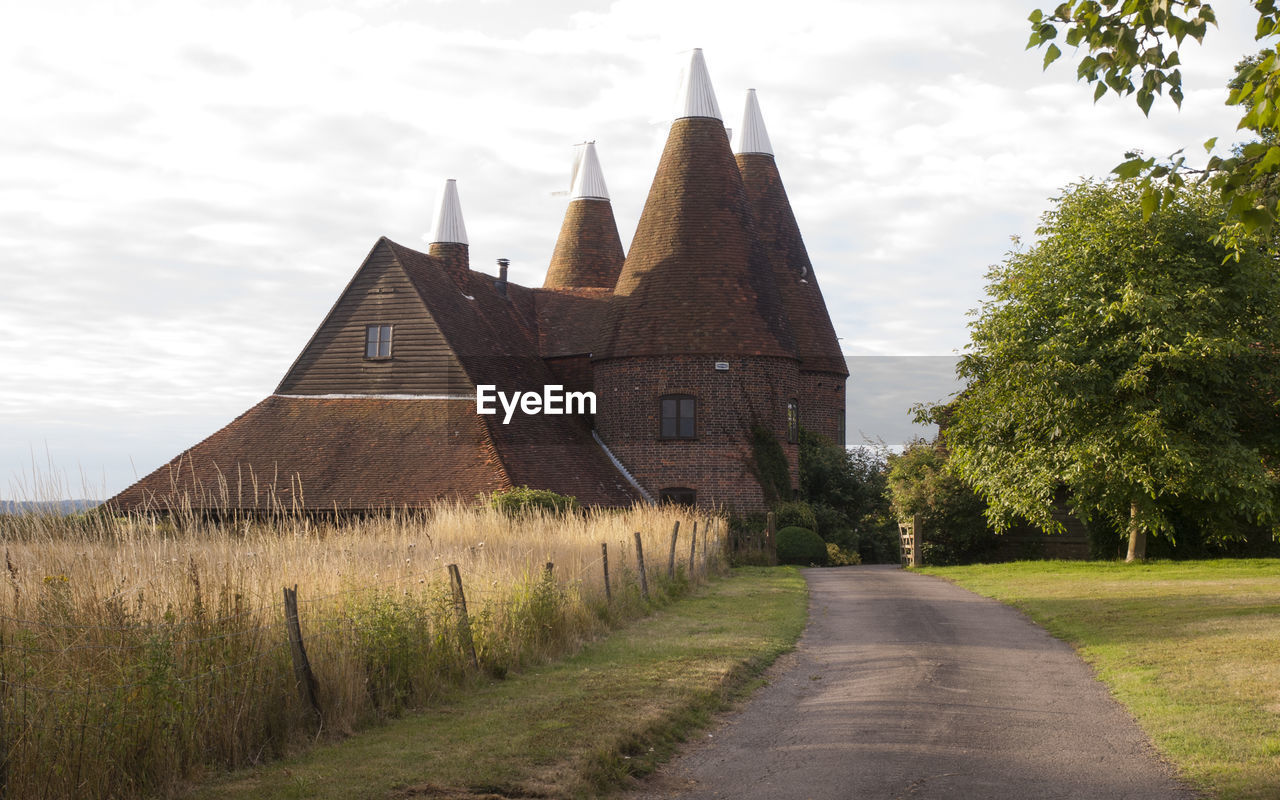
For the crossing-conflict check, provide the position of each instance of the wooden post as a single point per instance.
(693, 549)
(302, 673)
(604, 559)
(671, 561)
(644, 579)
(909, 532)
(771, 538)
(460, 611)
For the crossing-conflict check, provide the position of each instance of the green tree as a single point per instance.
(846, 490)
(1128, 360)
(1131, 47)
(950, 514)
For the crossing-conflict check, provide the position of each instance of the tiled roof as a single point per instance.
(815, 337)
(322, 453)
(696, 280)
(568, 320)
(588, 253)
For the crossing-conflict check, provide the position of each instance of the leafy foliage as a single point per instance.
(770, 465)
(839, 557)
(1132, 48)
(796, 512)
(522, 499)
(1125, 358)
(802, 546)
(954, 530)
(846, 490)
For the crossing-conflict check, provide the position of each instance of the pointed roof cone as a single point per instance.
(815, 336)
(696, 280)
(696, 98)
(751, 136)
(449, 227)
(588, 179)
(449, 234)
(588, 254)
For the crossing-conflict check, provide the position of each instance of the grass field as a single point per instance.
(137, 651)
(570, 729)
(1191, 648)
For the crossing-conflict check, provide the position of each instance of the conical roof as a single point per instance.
(696, 280)
(815, 336)
(697, 98)
(588, 254)
(752, 137)
(448, 227)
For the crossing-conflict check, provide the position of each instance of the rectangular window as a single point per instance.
(793, 422)
(377, 341)
(679, 416)
(679, 496)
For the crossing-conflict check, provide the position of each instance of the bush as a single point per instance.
(521, 499)
(796, 513)
(955, 531)
(801, 546)
(839, 557)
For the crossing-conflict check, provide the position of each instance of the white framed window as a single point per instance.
(377, 341)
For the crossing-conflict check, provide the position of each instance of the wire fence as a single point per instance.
(124, 710)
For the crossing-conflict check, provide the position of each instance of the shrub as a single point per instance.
(796, 513)
(522, 499)
(954, 528)
(801, 546)
(839, 557)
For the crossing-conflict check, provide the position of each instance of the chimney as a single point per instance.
(501, 283)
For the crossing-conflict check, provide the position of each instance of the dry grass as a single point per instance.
(136, 650)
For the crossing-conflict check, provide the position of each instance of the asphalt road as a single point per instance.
(905, 686)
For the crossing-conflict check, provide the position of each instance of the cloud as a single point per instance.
(188, 186)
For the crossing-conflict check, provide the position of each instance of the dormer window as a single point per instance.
(377, 341)
(679, 416)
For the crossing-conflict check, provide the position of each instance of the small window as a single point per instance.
(793, 421)
(679, 416)
(377, 341)
(678, 496)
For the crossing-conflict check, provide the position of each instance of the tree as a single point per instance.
(1131, 47)
(920, 485)
(846, 489)
(1127, 360)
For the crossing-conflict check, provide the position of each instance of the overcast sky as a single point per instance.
(185, 188)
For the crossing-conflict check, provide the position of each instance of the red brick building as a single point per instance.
(708, 336)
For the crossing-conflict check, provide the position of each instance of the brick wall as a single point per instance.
(822, 404)
(718, 463)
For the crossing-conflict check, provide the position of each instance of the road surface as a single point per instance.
(905, 686)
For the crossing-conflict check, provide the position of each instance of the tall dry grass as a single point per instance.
(136, 651)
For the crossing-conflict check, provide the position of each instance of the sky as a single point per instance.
(186, 187)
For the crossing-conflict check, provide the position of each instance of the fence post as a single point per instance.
(644, 579)
(460, 611)
(771, 539)
(671, 561)
(302, 673)
(693, 549)
(604, 558)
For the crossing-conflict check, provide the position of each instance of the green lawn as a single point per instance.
(1191, 648)
(573, 728)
